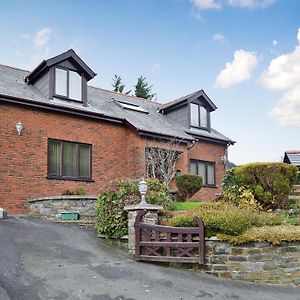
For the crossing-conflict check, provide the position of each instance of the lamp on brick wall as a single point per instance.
(19, 128)
(224, 159)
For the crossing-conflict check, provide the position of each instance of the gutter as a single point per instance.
(163, 136)
(58, 108)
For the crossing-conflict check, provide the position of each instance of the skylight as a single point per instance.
(131, 106)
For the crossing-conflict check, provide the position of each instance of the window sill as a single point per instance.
(67, 98)
(199, 128)
(210, 186)
(70, 178)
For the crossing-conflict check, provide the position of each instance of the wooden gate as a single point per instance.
(169, 244)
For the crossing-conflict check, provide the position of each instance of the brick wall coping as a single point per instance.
(62, 197)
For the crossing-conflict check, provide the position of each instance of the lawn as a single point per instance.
(188, 205)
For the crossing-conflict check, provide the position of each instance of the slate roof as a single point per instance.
(189, 96)
(104, 103)
(292, 157)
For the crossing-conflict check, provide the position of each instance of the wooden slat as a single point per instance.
(169, 244)
(193, 230)
(168, 240)
(170, 259)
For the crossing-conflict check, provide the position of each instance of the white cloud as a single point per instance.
(275, 43)
(238, 70)
(42, 37)
(283, 74)
(218, 37)
(206, 4)
(251, 3)
(287, 110)
(155, 68)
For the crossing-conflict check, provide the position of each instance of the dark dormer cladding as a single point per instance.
(191, 111)
(64, 76)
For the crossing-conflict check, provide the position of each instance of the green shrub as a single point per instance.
(78, 192)
(188, 184)
(274, 235)
(224, 218)
(270, 183)
(112, 219)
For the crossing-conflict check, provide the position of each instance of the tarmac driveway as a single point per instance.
(43, 260)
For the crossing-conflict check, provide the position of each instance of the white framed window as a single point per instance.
(199, 115)
(68, 84)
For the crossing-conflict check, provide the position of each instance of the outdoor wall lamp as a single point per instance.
(224, 159)
(19, 127)
(143, 190)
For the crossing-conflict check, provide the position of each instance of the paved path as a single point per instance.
(43, 260)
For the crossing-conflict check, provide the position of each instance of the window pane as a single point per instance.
(203, 117)
(211, 174)
(74, 85)
(60, 82)
(69, 160)
(84, 161)
(193, 167)
(54, 158)
(201, 171)
(194, 115)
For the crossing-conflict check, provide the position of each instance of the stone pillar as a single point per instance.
(151, 217)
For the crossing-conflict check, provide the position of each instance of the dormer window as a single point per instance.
(68, 84)
(199, 116)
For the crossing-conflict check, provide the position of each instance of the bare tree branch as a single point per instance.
(161, 162)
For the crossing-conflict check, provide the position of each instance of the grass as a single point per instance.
(188, 205)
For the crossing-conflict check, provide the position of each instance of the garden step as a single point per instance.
(295, 199)
(296, 187)
(295, 193)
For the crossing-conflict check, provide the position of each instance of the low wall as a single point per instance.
(256, 262)
(51, 207)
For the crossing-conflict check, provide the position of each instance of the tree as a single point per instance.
(161, 162)
(142, 89)
(118, 85)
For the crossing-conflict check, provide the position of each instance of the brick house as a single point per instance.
(57, 133)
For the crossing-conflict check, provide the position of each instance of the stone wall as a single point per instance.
(51, 207)
(256, 262)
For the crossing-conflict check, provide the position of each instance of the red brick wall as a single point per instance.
(23, 159)
(118, 152)
(209, 152)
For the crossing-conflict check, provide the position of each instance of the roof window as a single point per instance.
(131, 106)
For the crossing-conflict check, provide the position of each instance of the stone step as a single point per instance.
(296, 187)
(295, 193)
(295, 199)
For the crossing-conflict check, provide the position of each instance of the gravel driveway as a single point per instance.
(43, 260)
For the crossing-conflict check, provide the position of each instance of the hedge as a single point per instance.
(269, 184)
(225, 218)
(188, 185)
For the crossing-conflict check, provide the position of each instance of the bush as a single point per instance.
(112, 219)
(274, 235)
(270, 183)
(188, 184)
(224, 218)
(78, 192)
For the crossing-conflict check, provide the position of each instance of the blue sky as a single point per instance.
(245, 54)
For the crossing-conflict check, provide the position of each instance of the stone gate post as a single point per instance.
(151, 217)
